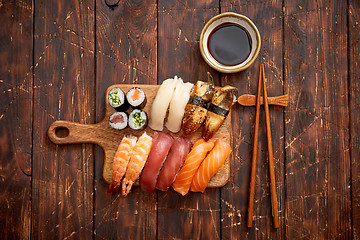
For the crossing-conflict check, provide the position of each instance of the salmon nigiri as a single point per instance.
(137, 162)
(211, 164)
(121, 160)
(192, 162)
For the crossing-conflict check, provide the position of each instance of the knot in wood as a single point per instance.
(112, 3)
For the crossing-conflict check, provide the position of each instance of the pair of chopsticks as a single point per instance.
(270, 155)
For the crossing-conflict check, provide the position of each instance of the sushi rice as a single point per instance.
(137, 119)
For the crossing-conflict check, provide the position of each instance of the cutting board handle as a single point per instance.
(76, 132)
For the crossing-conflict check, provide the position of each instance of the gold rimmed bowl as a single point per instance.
(230, 42)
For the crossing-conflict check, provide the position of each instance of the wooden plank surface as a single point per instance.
(16, 89)
(126, 52)
(62, 187)
(317, 120)
(354, 108)
(267, 16)
(310, 50)
(196, 215)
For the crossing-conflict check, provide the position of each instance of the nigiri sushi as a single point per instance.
(137, 162)
(211, 164)
(221, 103)
(195, 110)
(192, 162)
(161, 103)
(177, 106)
(159, 150)
(121, 160)
(177, 154)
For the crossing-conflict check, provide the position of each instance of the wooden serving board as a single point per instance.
(109, 139)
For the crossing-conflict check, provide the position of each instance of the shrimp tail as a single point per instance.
(114, 187)
(126, 187)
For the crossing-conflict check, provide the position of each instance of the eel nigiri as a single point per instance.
(211, 164)
(159, 150)
(121, 160)
(177, 154)
(192, 162)
(177, 106)
(161, 103)
(196, 108)
(137, 162)
(221, 103)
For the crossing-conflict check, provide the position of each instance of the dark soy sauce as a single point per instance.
(229, 44)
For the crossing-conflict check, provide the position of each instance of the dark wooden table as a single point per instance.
(58, 57)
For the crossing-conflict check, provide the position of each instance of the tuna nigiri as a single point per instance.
(192, 162)
(137, 162)
(159, 150)
(121, 160)
(211, 164)
(161, 103)
(177, 154)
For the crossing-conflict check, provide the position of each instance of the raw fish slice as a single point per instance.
(137, 162)
(211, 164)
(192, 162)
(177, 106)
(159, 150)
(121, 160)
(161, 103)
(196, 108)
(177, 154)
(221, 103)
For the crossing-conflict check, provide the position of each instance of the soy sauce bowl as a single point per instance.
(224, 48)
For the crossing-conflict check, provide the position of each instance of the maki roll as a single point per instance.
(117, 100)
(118, 120)
(138, 119)
(136, 98)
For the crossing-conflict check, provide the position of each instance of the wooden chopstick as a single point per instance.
(270, 154)
(254, 154)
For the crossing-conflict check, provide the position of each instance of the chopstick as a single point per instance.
(276, 223)
(254, 154)
(270, 155)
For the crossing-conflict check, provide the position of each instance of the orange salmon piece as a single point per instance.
(211, 164)
(192, 162)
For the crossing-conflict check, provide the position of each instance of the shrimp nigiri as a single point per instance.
(211, 164)
(192, 162)
(121, 160)
(137, 162)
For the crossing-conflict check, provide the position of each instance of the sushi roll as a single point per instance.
(117, 100)
(136, 98)
(118, 120)
(138, 119)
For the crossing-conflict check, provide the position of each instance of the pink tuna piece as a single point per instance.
(176, 157)
(159, 150)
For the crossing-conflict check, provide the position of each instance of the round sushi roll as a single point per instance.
(118, 120)
(136, 98)
(138, 119)
(117, 100)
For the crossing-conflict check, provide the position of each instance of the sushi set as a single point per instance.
(154, 137)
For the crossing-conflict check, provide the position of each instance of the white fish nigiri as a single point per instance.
(177, 106)
(161, 103)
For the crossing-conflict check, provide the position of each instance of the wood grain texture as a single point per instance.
(317, 120)
(16, 84)
(196, 215)
(267, 16)
(62, 188)
(126, 52)
(354, 105)
(109, 139)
